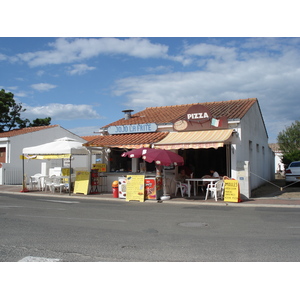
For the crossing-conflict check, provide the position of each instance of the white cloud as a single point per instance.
(43, 86)
(20, 94)
(3, 57)
(226, 74)
(159, 69)
(211, 51)
(73, 50)
(80, 69)
(40, 73)
(15, 90)
(58, 111)
(12, 88)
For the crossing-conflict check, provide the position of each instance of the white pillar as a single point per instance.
(243, 176)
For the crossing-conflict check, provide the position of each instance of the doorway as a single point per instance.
(200, 161)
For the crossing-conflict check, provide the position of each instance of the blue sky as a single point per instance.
(85, 83)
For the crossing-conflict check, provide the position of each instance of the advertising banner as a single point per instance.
(82, 182)
(135, 188)
(231, 191)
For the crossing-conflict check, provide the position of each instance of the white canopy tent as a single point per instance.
(58, 149)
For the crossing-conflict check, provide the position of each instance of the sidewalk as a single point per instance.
(267, 195)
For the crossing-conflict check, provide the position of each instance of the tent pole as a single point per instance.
(24, 188)
(165, 196)
(70, 182)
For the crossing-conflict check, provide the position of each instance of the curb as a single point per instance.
(171, 201)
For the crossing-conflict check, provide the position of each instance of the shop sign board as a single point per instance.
(82, 182)
(199, 117)
(135, 188)
(132, 128)
(198, 113)
(231, 191)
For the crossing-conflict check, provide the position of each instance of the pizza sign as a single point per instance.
(199, 117)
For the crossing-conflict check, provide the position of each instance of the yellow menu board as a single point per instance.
(135, 188)
(100, 167)
(82, 182)
(231, 191)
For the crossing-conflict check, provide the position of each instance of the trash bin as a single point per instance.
(115, 188)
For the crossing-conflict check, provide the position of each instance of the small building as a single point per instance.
(279, 166)
(11, 146)
(228, 136)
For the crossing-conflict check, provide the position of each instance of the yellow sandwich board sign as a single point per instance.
(135, 188)
(231, 191)
(82, 182)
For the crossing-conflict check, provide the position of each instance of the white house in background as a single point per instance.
(13, 142)
(279, 166)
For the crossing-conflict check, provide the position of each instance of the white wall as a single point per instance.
(252, 147)
(15, 145)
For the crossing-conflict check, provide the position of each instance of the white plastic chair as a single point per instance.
(57, 184)
(35, 181)
(48, 183)
(216, 189)
(179, 186)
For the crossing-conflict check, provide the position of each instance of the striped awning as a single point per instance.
(195, 139)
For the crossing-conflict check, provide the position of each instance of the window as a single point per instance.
(2, 154)
(250, 145)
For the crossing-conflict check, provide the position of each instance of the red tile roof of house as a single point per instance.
(274, 147)
(16, 132)
(89, 138)
(232, 109)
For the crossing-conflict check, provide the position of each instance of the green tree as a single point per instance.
(40, 122)
(289, 143)
(10, 114)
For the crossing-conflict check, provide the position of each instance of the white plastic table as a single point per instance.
(194, 180)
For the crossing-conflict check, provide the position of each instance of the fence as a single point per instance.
(10, 175)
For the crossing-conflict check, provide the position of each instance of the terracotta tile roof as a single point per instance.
(16, 132)
(274, 147)
(232, 109)
(89, 138)
(135, 140)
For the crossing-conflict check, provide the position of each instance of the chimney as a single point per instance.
(127, 113)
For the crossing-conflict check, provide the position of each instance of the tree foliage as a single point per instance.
(40, 122)
(289, 143)
(10, 114)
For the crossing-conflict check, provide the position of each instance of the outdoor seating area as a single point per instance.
(52, 183)
(209, 188)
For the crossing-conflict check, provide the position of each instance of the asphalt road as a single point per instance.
(75, 230)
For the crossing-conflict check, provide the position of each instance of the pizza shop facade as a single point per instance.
(229, 137)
